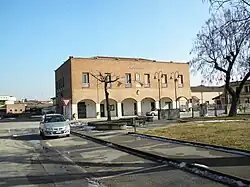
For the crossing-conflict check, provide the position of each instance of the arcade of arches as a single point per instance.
(128, 107)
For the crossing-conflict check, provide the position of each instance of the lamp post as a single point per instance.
(174, 76)
(158, 75)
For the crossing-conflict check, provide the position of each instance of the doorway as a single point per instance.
(102, 108)
(82, 112)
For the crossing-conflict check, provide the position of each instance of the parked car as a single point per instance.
(54, 125)
(152, 113)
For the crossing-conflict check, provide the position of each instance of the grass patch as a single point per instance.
(230, 134)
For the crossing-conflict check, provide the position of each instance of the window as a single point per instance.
(128, 80)
(108, 78)
(180, 81)
(146, 80)
(246, 89)
(164, 80)
(85, 80)
(15, 110)
(54, 118)
(137, 77)
(21, 110)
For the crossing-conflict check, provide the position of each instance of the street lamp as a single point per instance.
(175, 76)
(158, 75)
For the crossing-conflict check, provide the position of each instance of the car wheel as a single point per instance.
(68, 135)
(152, 114)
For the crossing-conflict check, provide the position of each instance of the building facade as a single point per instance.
(136, 92)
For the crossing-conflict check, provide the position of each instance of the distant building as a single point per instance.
(205, 94)
(244, 96)
(6, 100)
(15, 108)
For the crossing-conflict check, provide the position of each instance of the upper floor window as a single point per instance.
(164, 80)
(180, 81)
(137, 77)
(128, 80)
(146, 80)
(85, 80)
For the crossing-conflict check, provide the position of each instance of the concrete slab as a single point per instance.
(232, 164)
(116, 168)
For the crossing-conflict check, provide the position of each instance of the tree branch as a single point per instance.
(116, 79)
(216, 66)
(242, 83)
(96, 77)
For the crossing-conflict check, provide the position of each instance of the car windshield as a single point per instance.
(54, 118)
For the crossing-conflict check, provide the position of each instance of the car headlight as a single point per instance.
(48, 129)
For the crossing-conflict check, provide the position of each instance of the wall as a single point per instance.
(63, 72)
(119, 68)
(15, 108)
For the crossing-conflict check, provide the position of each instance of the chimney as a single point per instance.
(71, 57)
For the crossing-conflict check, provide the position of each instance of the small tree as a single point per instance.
(106, 79)
(223, 52)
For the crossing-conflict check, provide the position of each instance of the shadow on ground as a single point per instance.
(56, 178)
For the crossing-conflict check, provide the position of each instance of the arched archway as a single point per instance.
(129, 107)
(113, 108)
(86, 108)
(166, 103)
(147, 105)
(182, 103)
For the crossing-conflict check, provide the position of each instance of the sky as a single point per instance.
(37, 36)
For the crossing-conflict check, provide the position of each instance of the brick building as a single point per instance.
(135, 93)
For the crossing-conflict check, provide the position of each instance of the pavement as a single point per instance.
(28, 160)
(232, 164)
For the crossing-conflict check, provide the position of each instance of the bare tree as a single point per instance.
(106, 79)
(222, 53)
(235, 3)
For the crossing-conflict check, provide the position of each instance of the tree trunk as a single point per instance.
(234, 104)
(107, 101)
(226, 101)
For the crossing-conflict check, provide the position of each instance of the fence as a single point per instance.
(215, 110)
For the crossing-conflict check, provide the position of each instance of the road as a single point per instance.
(28, 160)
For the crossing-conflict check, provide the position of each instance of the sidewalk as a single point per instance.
(231, 164)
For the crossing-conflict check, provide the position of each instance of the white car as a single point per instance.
(152, 113)
(54, 125)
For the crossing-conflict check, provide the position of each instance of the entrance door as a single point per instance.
(82, 112)
(102, 108)
(135, 108)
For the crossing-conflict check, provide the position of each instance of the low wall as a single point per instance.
(108, 125)
(170, 114)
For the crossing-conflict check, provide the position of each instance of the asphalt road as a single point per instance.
(28, 160)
